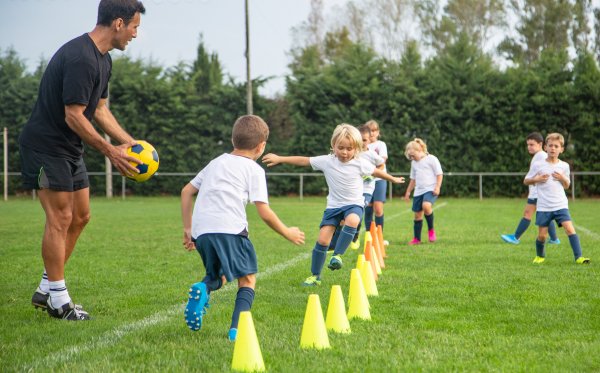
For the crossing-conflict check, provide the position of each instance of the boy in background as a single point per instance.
(552, 177)
(535, 144)
(218, 227)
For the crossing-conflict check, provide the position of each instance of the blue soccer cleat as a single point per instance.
(510, 238)
(196, 306)
(232, 335)
(335, 262)
(554, 242)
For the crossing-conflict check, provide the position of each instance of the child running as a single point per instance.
(344, 171)
(368, 185)
(535, 144)
(218, 228)
(552, 177)
(426, 177)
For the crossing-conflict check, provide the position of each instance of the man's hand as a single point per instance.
(119, 158)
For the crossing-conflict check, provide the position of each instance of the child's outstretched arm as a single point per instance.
(187, 207)
(273, 159)
(292, 234)
(385, 176)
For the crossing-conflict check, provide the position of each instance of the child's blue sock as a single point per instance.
(429, 219)
(575, 245)
(552, 231)
(522, 227)
(379, 221)
(335, 237)
(243, 302)
(319, 255)
(417, 229)
(368, 217)
(344, 240)
(539, 248)
(212, 285)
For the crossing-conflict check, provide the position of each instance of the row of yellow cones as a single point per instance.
(247, 356)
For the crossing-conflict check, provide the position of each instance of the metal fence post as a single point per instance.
(480, 187)
(301, 187)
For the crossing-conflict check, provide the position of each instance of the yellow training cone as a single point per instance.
(336, 319)
(359, 261)
(314, 333)
(358, 304)
(246, 352)
(366, 274)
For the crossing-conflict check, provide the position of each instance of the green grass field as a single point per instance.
(466, 303)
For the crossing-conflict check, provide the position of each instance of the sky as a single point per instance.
(169, 32)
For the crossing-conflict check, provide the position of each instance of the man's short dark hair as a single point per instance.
(109, 10)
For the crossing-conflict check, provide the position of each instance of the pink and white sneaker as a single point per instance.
(432, 237)
(414, 242)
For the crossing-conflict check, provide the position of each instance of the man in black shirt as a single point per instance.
(73, 91)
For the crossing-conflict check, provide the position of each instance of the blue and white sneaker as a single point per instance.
(554, 242)
(232, 335)
(510, 238)
(196, 306)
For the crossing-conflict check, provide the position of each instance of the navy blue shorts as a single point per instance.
(230, 255)
(380, 190)
(368, 198)
(42, 171)
(418, 201)
(335, 216)
(532, 201)
(544, 218)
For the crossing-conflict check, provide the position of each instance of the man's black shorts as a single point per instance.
(43, 171)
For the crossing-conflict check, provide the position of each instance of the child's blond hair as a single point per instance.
(347, 131)
(416, 144)
(555, 136)
(373, 125)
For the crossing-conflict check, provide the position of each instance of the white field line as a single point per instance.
(409, 210)
(112, 337)
(590, 233)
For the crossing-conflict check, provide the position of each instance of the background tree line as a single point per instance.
(472, 102)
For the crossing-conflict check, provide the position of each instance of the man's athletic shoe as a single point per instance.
(355, 245)
(40, 300)
(196, 306)
(335, 262)
(582, 260)
(538, 260)
(232, 335)
(510, 238)
(554, 242)
(312, 281)
(67, 311)
(414, 242)
(432, 237)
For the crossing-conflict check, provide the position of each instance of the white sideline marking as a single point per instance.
(410, 210)
(111, 337)
(590, 233)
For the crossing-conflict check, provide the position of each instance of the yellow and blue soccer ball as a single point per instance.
(149, 157)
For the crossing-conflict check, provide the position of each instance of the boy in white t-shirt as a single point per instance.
(344, 171)
(218, 228)
(552, 177)
(535, 143)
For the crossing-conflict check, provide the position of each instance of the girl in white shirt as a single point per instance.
(426, 177)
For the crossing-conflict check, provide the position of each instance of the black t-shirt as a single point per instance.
(77, 74)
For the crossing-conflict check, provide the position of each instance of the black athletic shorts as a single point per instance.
(43, 171)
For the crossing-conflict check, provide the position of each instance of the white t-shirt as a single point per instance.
(537, 157)
(344, 180)
(369, 181)
(225, 186)
(425, 172)
(551, 194)
(380, 148)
